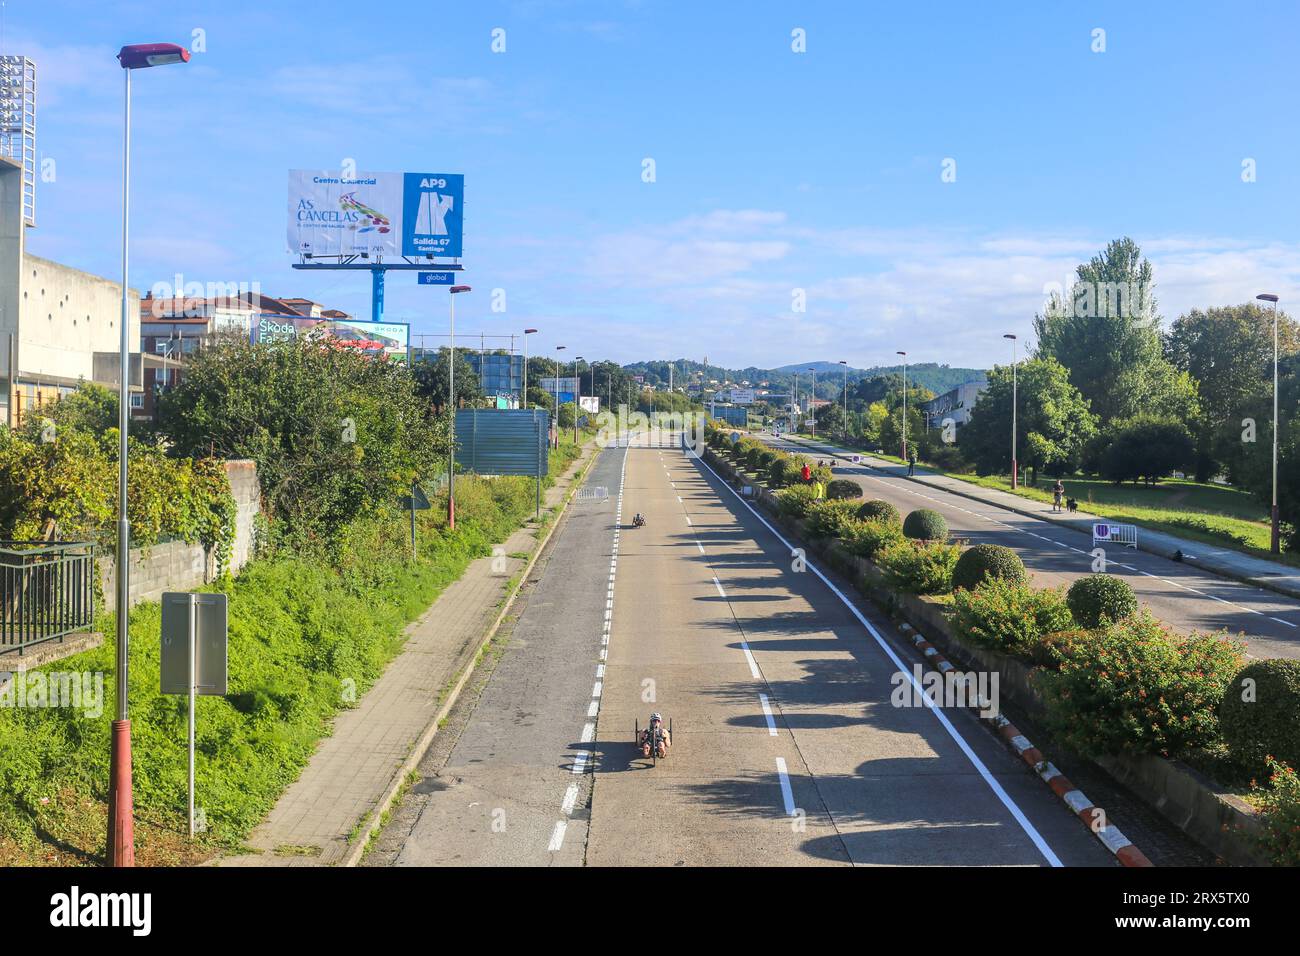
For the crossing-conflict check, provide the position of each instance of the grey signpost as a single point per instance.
(416, 501)
(194, 653)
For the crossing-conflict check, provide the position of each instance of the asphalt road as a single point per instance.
(1179, 594)
(498, 786)
(787, 748)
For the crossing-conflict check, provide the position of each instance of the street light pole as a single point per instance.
(577, 394)
(1275, 540)
(845, 422)
(1015, 470)
(451, 404)
(558, 349)
(794, 406)
(812, 403)
(904, 354)
(121, 804)
(524, 396)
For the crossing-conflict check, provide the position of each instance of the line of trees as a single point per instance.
(1107, 390)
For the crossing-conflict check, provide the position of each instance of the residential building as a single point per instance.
(955, 404)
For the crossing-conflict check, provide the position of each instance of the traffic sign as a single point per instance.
(417, 500)
(436, 278)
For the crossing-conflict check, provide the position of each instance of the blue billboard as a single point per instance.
(432, 213)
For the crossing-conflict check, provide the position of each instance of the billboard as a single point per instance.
(742, 396)
(492, 442)
(590, 403)
(370, 338)
(379, 214)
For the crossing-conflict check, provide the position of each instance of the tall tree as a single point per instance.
(1229, 351)
(1106, 332)
(1053, 421)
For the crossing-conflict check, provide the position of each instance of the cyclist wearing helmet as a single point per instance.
(655, 737)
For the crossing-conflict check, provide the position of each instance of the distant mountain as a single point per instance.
(830, 375)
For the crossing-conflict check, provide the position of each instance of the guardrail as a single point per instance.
(47, 591)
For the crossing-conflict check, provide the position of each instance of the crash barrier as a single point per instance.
(1104, 532)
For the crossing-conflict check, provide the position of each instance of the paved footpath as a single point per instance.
(1272, 575)
(321, 819)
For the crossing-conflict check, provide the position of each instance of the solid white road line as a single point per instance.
(1028, 828)
(753, 664)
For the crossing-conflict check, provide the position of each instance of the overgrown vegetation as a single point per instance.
(59, 473)
(307, 637)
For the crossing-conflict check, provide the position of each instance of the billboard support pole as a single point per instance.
(376, 293)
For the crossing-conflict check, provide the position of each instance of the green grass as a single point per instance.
(1213, 514)
(301, 628)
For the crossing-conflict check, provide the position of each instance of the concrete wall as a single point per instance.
(178, 566)
(65, 317)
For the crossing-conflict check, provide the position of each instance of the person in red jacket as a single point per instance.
(806, 473)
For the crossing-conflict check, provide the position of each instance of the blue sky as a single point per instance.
(775, 171)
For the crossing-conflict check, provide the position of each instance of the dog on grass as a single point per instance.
(1072, 504)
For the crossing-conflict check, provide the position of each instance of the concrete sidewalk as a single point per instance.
(324, 818)
(1216, 559)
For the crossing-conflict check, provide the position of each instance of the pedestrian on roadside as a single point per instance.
(911, 461)
(1058, 492)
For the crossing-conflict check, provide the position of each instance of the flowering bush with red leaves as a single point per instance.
(1137, 687)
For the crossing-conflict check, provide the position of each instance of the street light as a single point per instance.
(451, 404)
(1015, 470)
(558, 349)
(794, 406)
(812, 407)
(577, 394)
(527, 332)
(121, 814)
(904, 354)
(1274, 538)
(846, 402)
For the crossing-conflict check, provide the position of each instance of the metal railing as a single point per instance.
(47, 591)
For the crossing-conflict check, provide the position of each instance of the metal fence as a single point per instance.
(47, 591)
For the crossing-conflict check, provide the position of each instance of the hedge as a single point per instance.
(1008, 615)
(843, 488)
(1136, 687)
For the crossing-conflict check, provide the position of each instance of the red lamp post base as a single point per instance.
(121, 817)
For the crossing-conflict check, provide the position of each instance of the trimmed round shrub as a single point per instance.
(843, 488)
(1260, 713)
(985, 561)
(878, 510)
(1100, 598)
(924, 524)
